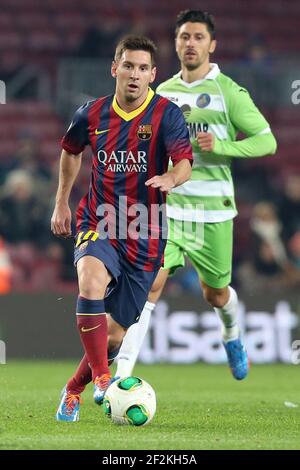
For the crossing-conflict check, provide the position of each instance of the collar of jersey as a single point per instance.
(212, 74)
(128, 116)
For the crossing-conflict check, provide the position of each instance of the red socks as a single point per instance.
(81, 378)
(93, 334)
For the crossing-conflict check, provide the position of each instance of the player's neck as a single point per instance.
(191, 76)
(129, 106)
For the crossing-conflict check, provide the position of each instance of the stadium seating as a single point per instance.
(56, 28)
(37, 119)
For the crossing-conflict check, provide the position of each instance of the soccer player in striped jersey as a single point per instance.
(216, 109)
(121, 222)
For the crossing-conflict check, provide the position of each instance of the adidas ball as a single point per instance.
(130, 400)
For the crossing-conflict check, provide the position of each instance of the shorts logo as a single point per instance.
(84, 237)
(203, 100)
(83, 246)
(144, 131)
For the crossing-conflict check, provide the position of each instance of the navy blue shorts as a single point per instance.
(128, 291)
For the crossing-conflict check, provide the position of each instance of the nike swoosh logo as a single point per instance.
(100, 132)
(85, 330)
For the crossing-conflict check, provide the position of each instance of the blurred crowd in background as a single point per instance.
(39, 39)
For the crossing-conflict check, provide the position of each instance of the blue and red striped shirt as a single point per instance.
(128, 149)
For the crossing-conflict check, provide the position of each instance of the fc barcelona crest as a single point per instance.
(144, 131)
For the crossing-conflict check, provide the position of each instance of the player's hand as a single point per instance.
(206, 141)
(164, 182)
(61, 221)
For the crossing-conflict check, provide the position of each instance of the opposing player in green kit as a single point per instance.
(201, 211)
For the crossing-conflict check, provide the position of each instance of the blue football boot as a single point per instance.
(237, 358)
(68, 409)
(101, 384)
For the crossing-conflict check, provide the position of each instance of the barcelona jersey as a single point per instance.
(128, 149)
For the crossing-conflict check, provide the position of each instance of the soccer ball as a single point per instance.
(130, 400)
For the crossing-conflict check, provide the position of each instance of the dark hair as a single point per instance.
(196, 16)
(136, 43)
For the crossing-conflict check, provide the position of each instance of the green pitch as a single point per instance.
(199, 407)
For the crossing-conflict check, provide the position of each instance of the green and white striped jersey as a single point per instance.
(218, 105)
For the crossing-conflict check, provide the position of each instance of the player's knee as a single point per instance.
(215, 297)
(92, 285)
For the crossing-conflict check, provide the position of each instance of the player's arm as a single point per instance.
(175, 177)
(69, 168)
(73, 144)
(178, 147)
(248, 119)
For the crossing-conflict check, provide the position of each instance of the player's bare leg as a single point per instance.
(135, 335)
(158, 285)
(116, 333)
(225, 303)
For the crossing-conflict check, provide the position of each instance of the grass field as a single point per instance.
(199, 407)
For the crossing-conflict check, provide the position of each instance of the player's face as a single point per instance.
(133, 72)
(194, 44)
